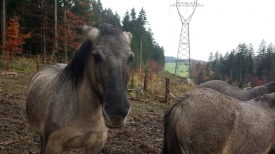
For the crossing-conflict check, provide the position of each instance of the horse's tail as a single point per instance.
(171, 144)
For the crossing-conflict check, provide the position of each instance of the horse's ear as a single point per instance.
(128, 36)
(91, 32)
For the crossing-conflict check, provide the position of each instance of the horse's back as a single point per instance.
(227, 89)
(206, 121)
(240, 94)
(38, 94)
(203, 117)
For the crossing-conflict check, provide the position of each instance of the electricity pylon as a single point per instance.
(183, 56)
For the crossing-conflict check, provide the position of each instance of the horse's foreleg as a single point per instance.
(53, 148)
(97, 146)
(96, 149)
(43, 145)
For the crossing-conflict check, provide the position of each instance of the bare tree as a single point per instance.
(55, 27)
(4, 27)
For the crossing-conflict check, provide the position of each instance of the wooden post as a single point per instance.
(167, 90)
(7, 60)
(145, 81)
(54, 60)
(132, 82)
(37, 62)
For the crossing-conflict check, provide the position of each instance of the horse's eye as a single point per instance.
(97, 58)
(130, 59)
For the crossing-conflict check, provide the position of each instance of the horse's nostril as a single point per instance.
(106, 108)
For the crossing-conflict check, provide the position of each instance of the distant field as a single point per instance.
(170, 67)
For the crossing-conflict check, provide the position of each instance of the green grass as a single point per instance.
(23, 64)
(20, 64)
(182, 71)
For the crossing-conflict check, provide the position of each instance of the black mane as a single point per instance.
(266, 101)
(170, 141)
(108, 29)
(74, 71)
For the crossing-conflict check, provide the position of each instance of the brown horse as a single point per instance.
(240, 94)
(72, 106)
(205, 121)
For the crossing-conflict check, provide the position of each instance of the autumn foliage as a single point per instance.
(257, 82)
(199, 72)
(68, 29)
(14, 38)
(154, 66)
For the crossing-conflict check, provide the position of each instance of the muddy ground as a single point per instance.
(142, 134)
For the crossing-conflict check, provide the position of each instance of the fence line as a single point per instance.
(165, 88)
(37, 62)
(160, 87)
(33, 61)
(145, 80)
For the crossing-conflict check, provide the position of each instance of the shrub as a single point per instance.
(2, 64)
(156, 85)
(23, 64)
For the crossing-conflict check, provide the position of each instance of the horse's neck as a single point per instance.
(264, 89)
(88, 102)
(261, 90)
(270, 87)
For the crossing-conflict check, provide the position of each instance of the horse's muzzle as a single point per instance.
(115, 119)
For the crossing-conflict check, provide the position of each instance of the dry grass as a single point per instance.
(156, 88)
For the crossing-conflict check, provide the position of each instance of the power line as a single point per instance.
(183, 56)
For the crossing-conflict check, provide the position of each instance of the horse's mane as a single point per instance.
(170, 141)
(266, 101)
(74, 71)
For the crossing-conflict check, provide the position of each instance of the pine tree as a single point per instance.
(126, 22)
(269, 60)
(133, 14)
(142, 19)
(261, 63)
(38, 17)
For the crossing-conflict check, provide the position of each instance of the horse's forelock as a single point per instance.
(75, 69)
(109, 29)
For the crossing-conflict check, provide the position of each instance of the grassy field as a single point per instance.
(182, 71)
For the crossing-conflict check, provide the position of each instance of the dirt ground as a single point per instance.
(142, 134)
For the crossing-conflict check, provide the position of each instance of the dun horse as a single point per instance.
(205, 121)
(73, 106)
(238, 93)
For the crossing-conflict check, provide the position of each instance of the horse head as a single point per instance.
(111, 57)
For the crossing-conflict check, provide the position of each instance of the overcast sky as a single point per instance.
(220, 25)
